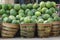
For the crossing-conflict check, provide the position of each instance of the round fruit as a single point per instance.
(15, 21)
(35, 6)
(4, 15)
(48, 4)
(27, 20)
(29, 6)
(5, 6)
(40, 20)
(56, 18)
(8, 12)
(21, 11)
(13, 12)
(17, 6)
(37, 13)
(5, 19)
(12, 17)
(48, 12)
(23, 6)
(42, 4)
(53, 4)
(43, 10)
(53, 10)
(30, 13)
(2, 11)
(54, 14)
(45, 16)
(10, 6)
(18, 17)
(26, 11)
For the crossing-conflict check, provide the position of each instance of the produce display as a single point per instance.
(29, 16)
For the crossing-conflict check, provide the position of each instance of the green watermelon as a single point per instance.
(5, 6)
(43, 10)
(49, 12)
(53, 4)
(12, 17)
(13, 12)
(37, 13)
(53, 10)
(10, 6)
(29, 6)
(48, 4)
(45, 16)
(2, 11)
(17, 6)
(21, 11)
(23, 6)
(35, 6)
(42, 4)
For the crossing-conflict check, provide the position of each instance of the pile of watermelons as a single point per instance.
(45, 12)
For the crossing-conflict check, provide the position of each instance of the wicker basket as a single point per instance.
(44, 30)
(9, 30)
(56, 28)
(27, 30)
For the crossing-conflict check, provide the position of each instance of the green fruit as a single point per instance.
(56, 18)
(21, 11)
(8, 12)
(21, 14)
(12, 17)
(5, 19)
(27, 20)
(48, 12)
(33, 11)
(0, 6)
(45, 16)
(35, 6)
(4, 15)
(45, 22)
(10, 6)
(37, 13)
(40, 21)
(30, 13)
(17, 6)
(13, 12)
(42, 4)
(15, 21)
(2, 11)
(29, 6)
(43, 10)
(5, 6)
(26, 11)
(53, 10)
(23, 6)
(48, 4)
(18, 17)
(39, 9)
(54, 14)
(53, 4)
(50, 20)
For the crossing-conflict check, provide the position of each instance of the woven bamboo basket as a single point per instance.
(27, 30)
(44, 30)
(9, 30)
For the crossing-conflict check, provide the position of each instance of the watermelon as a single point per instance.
(17, 6)
(13, 12)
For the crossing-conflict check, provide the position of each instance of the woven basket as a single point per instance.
(56, 28)
(27, 30)
(44, 30)
(9, 30)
